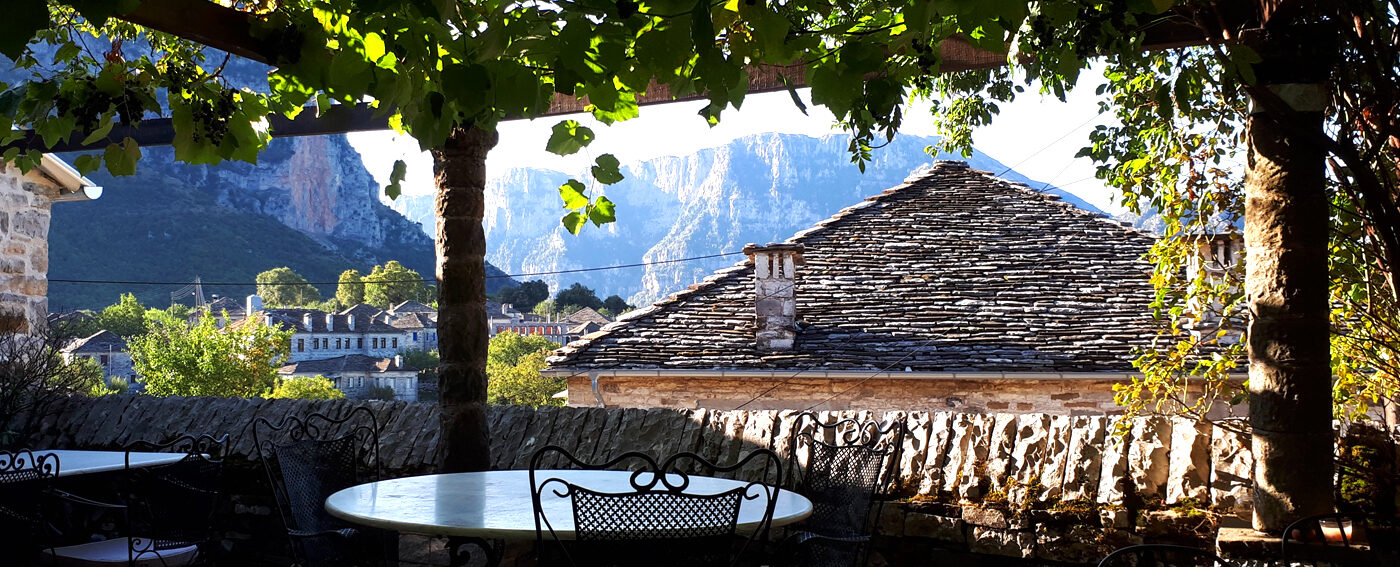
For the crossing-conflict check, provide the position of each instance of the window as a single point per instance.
(415, 337)
(396, 342)
(360, 343)
(360, 382)
(337, 344)
(301, 345)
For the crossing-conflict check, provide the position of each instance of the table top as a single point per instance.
(496, 504)
(74, 462)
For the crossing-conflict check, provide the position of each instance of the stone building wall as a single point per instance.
(25, 205)
(1025, 485)
(987, 394)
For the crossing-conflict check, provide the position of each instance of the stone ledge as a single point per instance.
(1245, 543)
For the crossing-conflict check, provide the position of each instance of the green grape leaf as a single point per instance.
(602, 212)
(121, 158)
(87, 163)
(607, 172)
(393, 190)
(573, 222)
(568, 137)
(571, 192)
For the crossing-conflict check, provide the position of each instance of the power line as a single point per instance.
(1051, 144)
(423, 280)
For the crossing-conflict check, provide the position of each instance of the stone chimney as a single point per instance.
(254, 305)
(306, 322)
(268, 320)
(350, 320)
(775, 283)
(398, 361)
(330, 322)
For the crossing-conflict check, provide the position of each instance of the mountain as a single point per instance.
(308, 204)
(761, 188)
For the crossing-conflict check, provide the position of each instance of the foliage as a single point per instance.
(34, 376)
(116, 385)
(391, 284)
(513, 367)
(544, 308)
(351, 289)
(314, 388)
(281, 287)
(576, 297)
(203, 360)
(426, 361)
(82, 323)
(525, 297)
(615, 305)
(126, 317)
(385, 393)
(176, 314)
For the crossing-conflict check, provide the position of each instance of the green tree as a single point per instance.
(314, 388)
(203, 360)
(525, 297)
(126, 317)
(391, 284)
(385, 393)
(351, 289)
(513, 366)
(176, 314)
(426, 361)
(576, 297)
(615, 305)
(281, 287)
(34, 377)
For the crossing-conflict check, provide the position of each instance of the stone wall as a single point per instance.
(25, 205)
(989, 393)
(1045, 487)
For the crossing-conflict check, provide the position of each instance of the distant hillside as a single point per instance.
(308, 204)
(761, 188)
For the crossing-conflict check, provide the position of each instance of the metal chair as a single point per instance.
(24, 479)
(658, 521)
(308, 459)
(1162, 555)
(167, 511)
(1342, 540)
(844, 468)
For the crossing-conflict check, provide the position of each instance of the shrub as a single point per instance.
(385, 393)
(316, 388)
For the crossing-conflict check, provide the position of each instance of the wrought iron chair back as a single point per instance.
(24, 477)
(658, 519)
(844, 468)
(1342, 540)
(173, 506)
(309, 458)
(1161, 555)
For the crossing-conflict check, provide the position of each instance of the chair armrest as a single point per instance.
(799, 538)
(70, 497)
(346, 533)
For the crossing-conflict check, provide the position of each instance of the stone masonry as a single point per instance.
(25, 205)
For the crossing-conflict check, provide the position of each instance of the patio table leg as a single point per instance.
(465, 551)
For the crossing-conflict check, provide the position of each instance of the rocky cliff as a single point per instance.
(760, 188)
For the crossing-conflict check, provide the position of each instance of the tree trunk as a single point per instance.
(460, 170)
(1286, 224)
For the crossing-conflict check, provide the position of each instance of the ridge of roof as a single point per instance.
(916, 181)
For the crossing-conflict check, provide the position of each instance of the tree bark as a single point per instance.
(460, 170)
(1286, 224)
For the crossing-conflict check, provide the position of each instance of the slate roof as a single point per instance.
(411, 306)
(355, 363)
(588, 315)
(103, 342)
(413, 321)
(955, 270)
(223, 304)
(293, 318)
(363, 312)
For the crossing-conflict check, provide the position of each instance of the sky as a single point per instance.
(1037, 135)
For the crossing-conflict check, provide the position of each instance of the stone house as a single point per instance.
(109, 351)
(25, 211)
(355, 374)
(417, 321)
(955, 290)
(318, 335)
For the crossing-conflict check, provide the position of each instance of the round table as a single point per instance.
(496, 504)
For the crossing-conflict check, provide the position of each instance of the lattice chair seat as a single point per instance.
(24, 480)
(1162, 555)
(658, 522)
(119, 551)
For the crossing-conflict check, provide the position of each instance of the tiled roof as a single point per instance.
(294, 319)
(103, 341)
(342, 364)
(222, 304)
(955, 270)
(586, 315)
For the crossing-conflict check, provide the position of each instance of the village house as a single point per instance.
(109, 351)
(320, 335)
(26, 201)
(418, 323)
(357, 374)
(954, 290)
